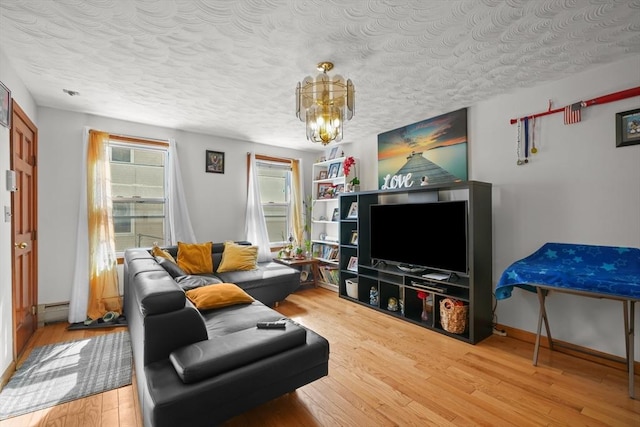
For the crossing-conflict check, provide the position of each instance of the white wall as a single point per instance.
(216, 201)
(579, 188)
(24, 99)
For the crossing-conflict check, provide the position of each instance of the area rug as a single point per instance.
(59, 373)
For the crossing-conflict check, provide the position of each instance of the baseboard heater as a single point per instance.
(52, 312)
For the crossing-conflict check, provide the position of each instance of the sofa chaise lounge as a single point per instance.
(201, 367)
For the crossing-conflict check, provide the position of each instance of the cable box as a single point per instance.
(430, 287)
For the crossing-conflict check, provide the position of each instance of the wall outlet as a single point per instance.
(499, 332)
(7, 214)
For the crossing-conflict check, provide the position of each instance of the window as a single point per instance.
(274, 180)
(138, 190)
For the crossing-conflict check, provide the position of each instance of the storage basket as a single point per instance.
(453, 316)
(352, 288)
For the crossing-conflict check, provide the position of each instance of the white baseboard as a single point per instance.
(329, 286)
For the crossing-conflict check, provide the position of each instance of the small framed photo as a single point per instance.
(324, 191)
(333, 153)
(354, 238)
(336, 215)
(628, 128)
(5, 106)
(339, 188)
(353, 210)
(322, 175)
(334, 169)
(215, 161)
(353, 264)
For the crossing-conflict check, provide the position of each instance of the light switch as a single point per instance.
(7, 214)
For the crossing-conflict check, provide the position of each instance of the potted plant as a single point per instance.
(286, 251)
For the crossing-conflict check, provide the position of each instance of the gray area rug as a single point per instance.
(58, 373)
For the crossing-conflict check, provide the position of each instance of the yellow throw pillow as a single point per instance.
(238, 258)
(218, 295)
(195, 258)
(157, 251)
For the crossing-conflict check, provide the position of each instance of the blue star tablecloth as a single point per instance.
(607, 270)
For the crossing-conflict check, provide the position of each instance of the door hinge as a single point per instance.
(33, 310)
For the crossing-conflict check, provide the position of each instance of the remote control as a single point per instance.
(280, 324)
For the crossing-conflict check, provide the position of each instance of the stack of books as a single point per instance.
(329, 274)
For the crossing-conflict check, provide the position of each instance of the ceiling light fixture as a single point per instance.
(324, 103)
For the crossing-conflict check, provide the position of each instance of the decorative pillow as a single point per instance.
(170, 266)
(238, 258)
(218, 295)
(195, 258)
(157, 251)
(189, 282)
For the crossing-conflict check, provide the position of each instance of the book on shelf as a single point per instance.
(329, 274)
(327, 252)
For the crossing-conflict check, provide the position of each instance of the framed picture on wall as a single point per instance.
(628, 128)
(215, 162)
(5, 106)
(434, 150)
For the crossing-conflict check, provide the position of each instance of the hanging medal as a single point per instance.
(518, 147)
(534, 150)
(526, 139)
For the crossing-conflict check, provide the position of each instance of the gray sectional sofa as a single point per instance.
(200, 368)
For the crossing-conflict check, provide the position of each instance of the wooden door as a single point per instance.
(24, 140)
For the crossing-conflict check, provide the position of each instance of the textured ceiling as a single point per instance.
(230, 67)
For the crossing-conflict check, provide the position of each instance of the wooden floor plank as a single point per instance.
(387, 372)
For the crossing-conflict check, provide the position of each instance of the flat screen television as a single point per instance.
(421, 235)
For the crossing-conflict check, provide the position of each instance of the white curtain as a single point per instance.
(78, 302)
(180, 228)
(256, 227)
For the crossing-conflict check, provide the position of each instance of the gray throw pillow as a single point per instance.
(191, 282)
(170, 266)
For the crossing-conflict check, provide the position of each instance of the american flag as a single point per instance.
(572, 113)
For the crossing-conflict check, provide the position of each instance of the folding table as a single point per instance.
(607, 272)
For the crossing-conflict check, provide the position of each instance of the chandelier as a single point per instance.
(324, 103)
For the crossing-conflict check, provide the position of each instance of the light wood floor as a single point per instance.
(386, 372)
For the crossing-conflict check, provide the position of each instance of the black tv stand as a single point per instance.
(414, 289)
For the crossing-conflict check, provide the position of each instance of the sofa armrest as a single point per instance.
(205, 359)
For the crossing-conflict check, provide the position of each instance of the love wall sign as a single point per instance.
(397, 181)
